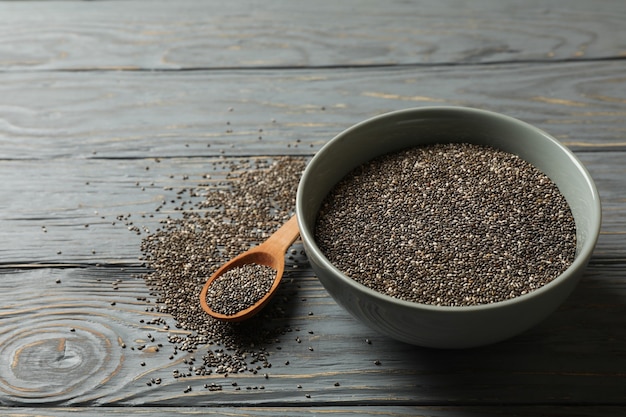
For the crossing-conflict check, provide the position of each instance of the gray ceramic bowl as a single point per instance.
(435, 326)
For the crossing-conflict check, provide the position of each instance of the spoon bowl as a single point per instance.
(269, 253)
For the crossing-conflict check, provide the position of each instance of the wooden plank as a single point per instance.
(579, 345)
(192, 34)
(66, 343)
(96, 211)
(201, 114)
(82, 147)
(394, 411)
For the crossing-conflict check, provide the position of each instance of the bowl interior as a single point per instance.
(423, 126)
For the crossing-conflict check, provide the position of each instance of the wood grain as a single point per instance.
(64, 193)
(96, 211)
(111, 109)
(149, 115)
(65, 343)
(344, 411)
(190, 34)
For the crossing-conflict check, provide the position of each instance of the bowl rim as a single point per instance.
(579, 262)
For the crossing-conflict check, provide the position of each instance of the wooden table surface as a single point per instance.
(108, 108)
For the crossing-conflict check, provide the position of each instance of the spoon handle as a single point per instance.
(283, 237)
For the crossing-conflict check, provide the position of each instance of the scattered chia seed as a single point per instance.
(239, 288)
(448, 224)
(227, 217)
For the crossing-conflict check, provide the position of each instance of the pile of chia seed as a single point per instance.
(234, 214)
(448, 224)
(239, 288)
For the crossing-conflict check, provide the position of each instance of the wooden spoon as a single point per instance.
(270, 253)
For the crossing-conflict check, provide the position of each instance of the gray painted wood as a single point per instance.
(109, 108)
(79, 211)
(189, 34)
(63, 341)
(205, 113)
